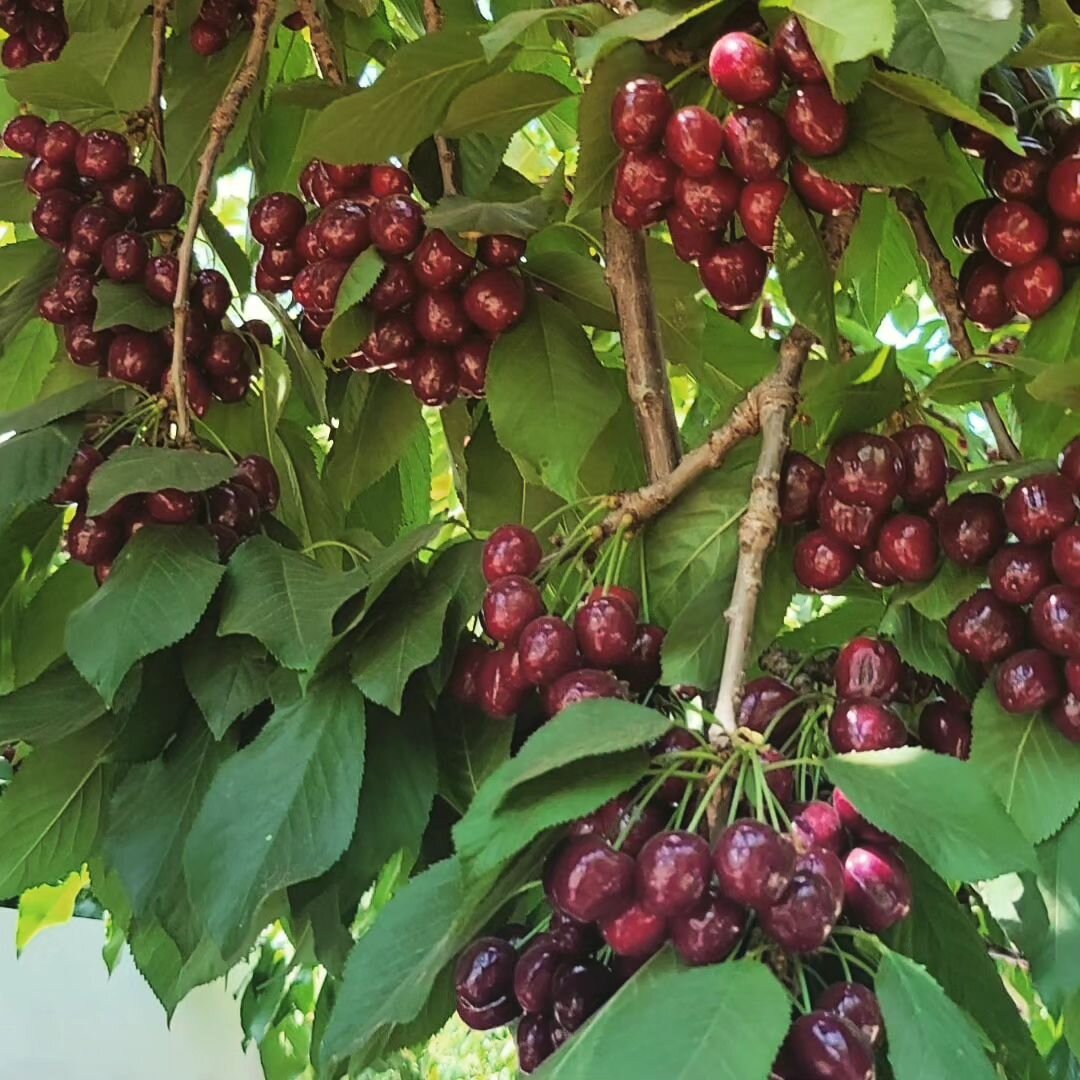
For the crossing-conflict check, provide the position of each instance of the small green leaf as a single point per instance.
(128, 304)
(457, 214)
(650, 24)
(47, 905)
(1055, 338)
(989, 478)
(1054, 962)
(937, 599)
(805, 277)
(693, 649)
(18, 202)
(135, 469)
(576, 281)
(964, 384)
(27, 268)
(33, 463)
(518, 23)
(1059, 384)
(503, 103)
(55, 407)
(56, 704)
(227, 676)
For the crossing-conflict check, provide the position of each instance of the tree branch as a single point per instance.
(222, 122)
(157, 79)
(326, 57)
(947, 299)
(627, 274)
(433, 20)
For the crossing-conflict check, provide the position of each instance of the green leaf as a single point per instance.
(803, 269)
(928, 1034)
(518, 23)
(693, 649)
(457, 214)
(843, 31)
(503, 103)
(989, 478)
(1027, 762)
(57, 406)
(25, 362)
(471, 747)
(650, 24)
(1059, 384)
(227, 676)
(91, 14)
(675, 1021)
(55, 705)
(28, 267)
(682, 319)
(136, 469)
(547, 394)
(47, 905)
(1054, 964)
(1055, 338)
(924, 644)
(283, 599)
(854, 616)
(937, 805)
(576, 281)
(128, 304)
(964, 384)
(348, 327)
(1058, 43)
(421, 80)
(160, 585)
(939, 598)
(18, 202)
(252, 837)
(51, 814)
(32, 464)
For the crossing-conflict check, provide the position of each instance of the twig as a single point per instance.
(433, 20)
(627, 275)
(157, 79)
(222, 122)
(326, 57)
(947, 299)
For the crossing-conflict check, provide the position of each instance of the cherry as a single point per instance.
(979, 143)
(509, 603)
(986, 629)
(673, 871)
(500, 688)
(210, 291)
(166, 208)
(860, 724)
(710, 200)
(759, 207)
(1040, 507)
(768, 706)
(801, 480)
(124, 257)
(230, 388)
(42, 177)
(534, 973)
(690, 239)
(709, 932)
(877, 889)
(909, 546)
(57, 143)
(18, 53)
(1070, 464)
(968, 225)
(754, 864)
(137, 357)
(1014, 233)
(635, 931)
(606, 630)
(643, 670)
(464, 681)
(94, 540)
(876, 570)
(982, 292)
(865, 469)
(307, 247)
(315, 184)
(743, 69)
(1065, 243)
(534, 1042)
(823, 1046)
(235, 506)
(590, 880)
(857, 1004)
(51, 218)
(855, 823)
(439, 317)
(633, 216)
(225, 356)
(945, 729)
(804, 916)
(510, 549)
(130, 194)
(1055, 619)
(395, 288)
(972, 528)
(817, 825)
(198, 393)
(795, 54)
(627, 823)
(821, 194)
(579, 990)
(756, 142)
(1014, 176)
(855, 525)
(495, 300)
(816, 121)
(207, 38)
(258, 474)
(172, 506)
(1033, 289)
(279, 265)
(639, 112)
(438, 263)
(397, 225)
(869, 668)
(51, 307)
(1066, 556)
(1018, 571)
(646, 178)
(925, 466)
(1063, 190)
(547, 649)
(620, 592)
(1072, 676)
(276, 219)
(1028, 681)
(343, 230)
(21, 134)
(587, 684)
(570, 937)
(822, 562)
(485, 971)
(734, 274)
(72, 488)
(499, 250)
(161, 278)
(86, 346)
(1065, 716)
(316, 287)
(101, 155)
(387, 180)
(693, 139)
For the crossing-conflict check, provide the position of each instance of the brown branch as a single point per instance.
(157, 79)
(627, 274)
(433, 20)
(222, 121)
(326, 57)
(947, 299)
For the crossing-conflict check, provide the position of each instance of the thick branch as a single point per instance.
(947, 299)
(326, 57)
(433, 20)
(157, 78)
(222, 122)
(646, 373)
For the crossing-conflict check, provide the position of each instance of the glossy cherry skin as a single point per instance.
(579, 990)
(635, 931)
(876, 570)
(570, 937)
(225, 355)
(432, 372)
(138, 358)
(816, 121)
(868, 668)
(1065, 716)
(804, 916)
(801, 480)
(1063, 190)
(499, 688)
(21, 134)
(508, 605)
(646, 178)
(1040, 507)
(755, 142)
(672, 874)
(439, 317)
(101, 155)
(625, 822)
(1028, 681)
(500, 250)
(165, 209)
(161, 277)
(547, 649)
(1066, 556)
(767, 706)
(589, 880)
(857, 1004)
(495, 300)
(1019, 571)
(855, 823)
(986, 629)
(861, 724)
(1033, 289)
(586, 684)
(316, 287)
(946, 730)
(759, 208)
(1065, 243)
(130, 194)
(72, 488)
(877, 889)
(822, 562)
(534, 973)
(1014, 233)
(438, 263)
(52, 216)
(734, 274)
(534, 1042)
(795, 54)
(485, 971)
(710, 200)
(693, 140)
(258, 474)
(606, 630)
(124, 257)
(471, 358)
(817, 825)
(389, 180)
(709, 932)
(463, 683)
(909, 546)
(171, 506)
(397, 225)
(754, 864)
(972, 528)
(1055, 620)
(276, 218)
(865, 469)
(925, 465)
(743, 69)
(93, 540)
(849, 523)
(689, 238)
(510, 549)
(1012, 176)
(823, 1046)
(633, 215)
(968, 225)
(639, 113)
(235, 506)
(1072, 676)
(982, 292)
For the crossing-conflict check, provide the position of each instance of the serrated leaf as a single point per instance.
(160, 585)
(47, 905)
(227, 676)
(510, 27)
(57, 406)
(28, 267)
(17, 201)
(576, 281)
(25, 362)
(464, 216)
(1059, 384)
(803, 269)
(503, 103)
(937, 599)
(1054, 963)
(649, 24)
(283, 599)
(1028, 763)
(988, 479)
(471, 747)
(1055, 338)
(1058, 43)
(675, 285)
(693, 649)
(33, 463)
(964, 384)
(128, 304)
(843, 31)
(135, 469)
(924, 644)
(307, 370)
(937, 805)
(251, 837)
(55, 705)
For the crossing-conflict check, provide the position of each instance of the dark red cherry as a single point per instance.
(138, 358)
(968, 225)
(41, 177)
(858, 526)
(439, 317)
(579, 990)
(586, 684)
(130, 194)
(389, 180)
(643, 670)
(124, 257)
(743, 69)
(868, 668)
(225, 356)
(817, 825)
(166, 208)
(1072, 676)
(1065, 243)
(172, 506)
(1033, 289)
(606, 630)
(316, 287)
(690, 239)
(1014, 233)
(21, 134)
(822, 562)
(570, 937)
(693, 139)
(92, 226)
(397, 225)
(1028, 681)
(235, 506)
(547, 649)
(986, 629)
(709, 932)
(857, 1004)
(979, 143)
(52, 216)
(198, 393)
(509, 604)
(589, 880)
(207, 38)
(673, 872)
(855, 823)
(511, 549)
(307, 247)
(816, 121)
(877, 889)
(804, 916)
(463, 683)
(768, 706)
(1066, 556)
(972, 528)
(626, 823)
(759, 208)
(620, 592)
(755, 142)
(821, 194)
(276, 218)
(734, 274)
(258, 474)
(438, 263)
(279, 265)
(161, 278)
(534, 1042)
(860, 724)
(1062, 190)
(18, 53)
(646, 178)
(52, 308)
(639, 111)
(57, 143)
(485, 971)
(925, 465)
(876, 570)
(495, 300)
(500, 250)
(865, 469)
(101, 155)
(908, 544)
(635, 931)
(1013, 176)
(795, 54)
(395, 288)
(945, 729)
(824, 1046)
(1055, 619)
(801, 480)
(1065, 716)
(499, 688)
(93, 540)
(754, 864)
(211, 292)
(1018, 571)
(982, 292)
(343, 229)
(634, 216)
(534, 973)
(72, 488)
(1040, 507)
(710, 200)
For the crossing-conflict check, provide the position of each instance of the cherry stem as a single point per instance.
(803, 999)
(711, 792)
(643, 588)
(357, 555)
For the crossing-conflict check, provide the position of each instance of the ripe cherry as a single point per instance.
(439, 317)
(124, 257)
(1069, 466)
(620, 592)
(1066, 556)
(395, 288)
(1028, 681)
(860, 724)
(734, 274)
(508, 605)
(511, 549)
(756, 142)
(795, 53)
(804, 916)
(801, 480)
(824, 1046)
(625, 822)
(855, 823)
(389, 180)
(485, 971)
(759, 208)
(709, 932)
(945, 729)
(817, 825)
(52, 216)
(235, 506)
(258, 474)
(1033, 289)
(42, 177)
(534, 1042)
(606, 629)
(316, 287)
(1055, 619)
(586, 684)
(579, 990)
(972, 528)
(690, 239)
(57, 143)
(1065, 716)
(130, 194)
(693, 139)
(211, 292)
(646, 178)
(93, 540)
(464, 681)
(276, 218)
(743, 69)
(925, 466)
(865, 469)
(72, 488)
(137, 357)
(500, 250)
(849, 523)
(172, 506)
(1018, 571)
(909, 546)
(982, 292)
(768, 706)
(673, 872)
(547, 649)
(166, 208)
(635, 931)
(968, 225)
(639, 112)
(822, 562)
(826, 196)
(1014, 233)
(1063, 189)
(495, 300)
(438, 263)
(225, 356)
(500, 691)
(1013, 176)
(1040, 507)
(589, 880)
(986, 629)
(1072, 676)
(102, 155)
(868, 668)
(877, 889)
(710, 200)
(856, 1003)
(21, 134)
(397, 225)
(816, 121)
(534, 973)
(754, 864)
(876, 570)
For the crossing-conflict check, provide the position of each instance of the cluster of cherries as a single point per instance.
(1019, 238)
(102, 213)
(435, 314)
(606, 653)
(671, 164)
(36, 31)
(230, 511)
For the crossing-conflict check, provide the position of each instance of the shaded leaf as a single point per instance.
(128, 304)
(136, 469)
